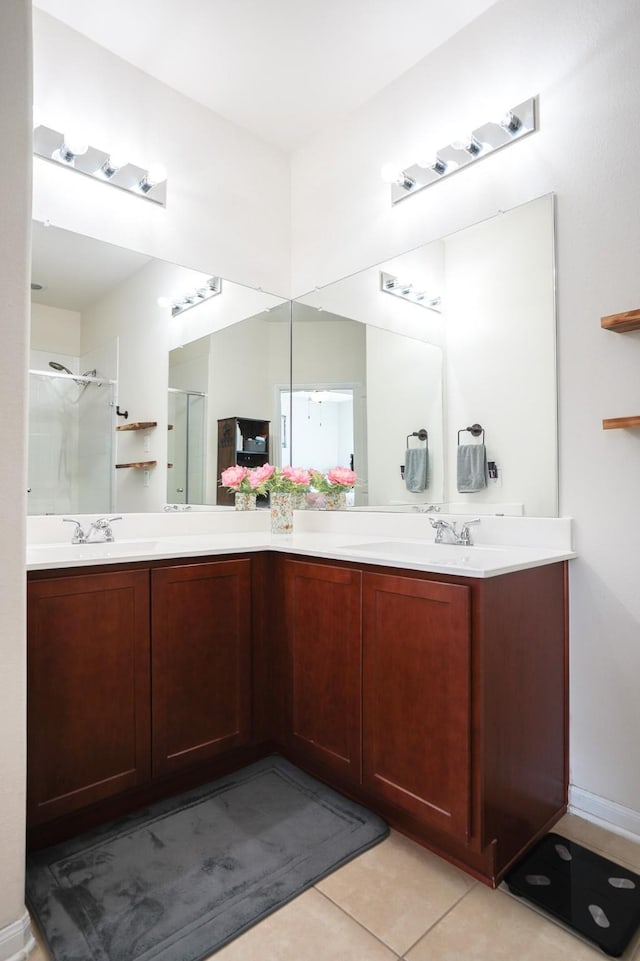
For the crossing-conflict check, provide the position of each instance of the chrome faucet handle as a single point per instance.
(103, 524)
(79, 536)
(441, 528)
(464, 537)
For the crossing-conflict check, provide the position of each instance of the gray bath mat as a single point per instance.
(178, 880)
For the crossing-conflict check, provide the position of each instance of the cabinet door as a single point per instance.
(88, 689)
(416, 683)
(201, 665)
(322, 618)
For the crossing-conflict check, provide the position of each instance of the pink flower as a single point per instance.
(297, 475)
(259, 475)
(232, 477)
(342, 476)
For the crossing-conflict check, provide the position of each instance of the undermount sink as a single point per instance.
(449, 555)
(100, 549)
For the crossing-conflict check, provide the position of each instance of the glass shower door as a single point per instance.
(71, 436)
(186, 474)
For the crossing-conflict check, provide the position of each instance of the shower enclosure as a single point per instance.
(71, 439)
(187, 449)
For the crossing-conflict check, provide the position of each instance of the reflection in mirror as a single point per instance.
(466, 335)
(99, 438)
(188, 383)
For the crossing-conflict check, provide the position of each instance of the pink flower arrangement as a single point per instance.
(245, 480)
(342, 477)
(336, 479)
(260, 477)
(236, 479)
(290, 480)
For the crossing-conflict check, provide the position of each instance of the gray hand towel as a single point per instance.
(472, 468)
(416, 465)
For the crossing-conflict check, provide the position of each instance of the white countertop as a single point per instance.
(374, 540)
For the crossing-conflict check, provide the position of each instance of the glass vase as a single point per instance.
(245, 502)
(335, 501)
(281, 513)
(299, 501)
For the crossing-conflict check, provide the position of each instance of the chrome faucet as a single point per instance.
(79, 536)
(102, 530)
(448, 533)
(98, 532)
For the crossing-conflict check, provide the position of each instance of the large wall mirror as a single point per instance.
(114, 331)
(457, 333)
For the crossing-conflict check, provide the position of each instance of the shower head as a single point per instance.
(60, 367)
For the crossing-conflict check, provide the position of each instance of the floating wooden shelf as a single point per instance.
(616, 423)
(139, 425)
(145, 464)
(629, 320)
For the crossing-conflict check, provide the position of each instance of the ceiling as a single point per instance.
(76, 271)
(282, 69)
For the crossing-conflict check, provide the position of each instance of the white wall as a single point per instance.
(500, 355)
(580, 56)
(55, 329)
(15, 201)
(414, 402)
(228, 193)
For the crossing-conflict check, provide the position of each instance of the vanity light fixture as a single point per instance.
(482, 141)
(391, 285)
(392, 174)
(70, 151)
(178, 305)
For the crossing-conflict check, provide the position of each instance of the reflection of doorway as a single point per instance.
(186, 447)
(322, 426)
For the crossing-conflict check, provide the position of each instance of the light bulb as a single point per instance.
(154, 175)
(113, 163)
(390, 173)
(37, 116)
(163, 302)
(510, 122)
(73, 146)
(470, 145)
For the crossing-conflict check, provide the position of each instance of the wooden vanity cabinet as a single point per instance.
(134, 675)
(463, 692)
(88, 719)
(416, 677)
(200, 662)
(439, 701)
(322, 635)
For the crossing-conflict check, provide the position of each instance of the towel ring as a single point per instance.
(420, 434)
(475, 430)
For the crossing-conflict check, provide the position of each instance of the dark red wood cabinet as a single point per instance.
(440, 701)
(417, 677)
(200, 662)
(88, 719)
(323, 656)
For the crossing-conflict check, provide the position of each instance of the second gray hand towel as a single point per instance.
(416, 466)
(472, 468)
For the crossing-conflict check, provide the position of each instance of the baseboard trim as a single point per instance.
(16, 940)
(608, 814)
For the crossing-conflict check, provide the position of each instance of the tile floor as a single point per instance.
(398, 901)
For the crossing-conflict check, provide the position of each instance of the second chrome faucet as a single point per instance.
(448, 533)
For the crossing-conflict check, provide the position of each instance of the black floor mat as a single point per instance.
(595, 897)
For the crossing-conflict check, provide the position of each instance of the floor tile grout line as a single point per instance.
(359, 923)
(435, 924)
